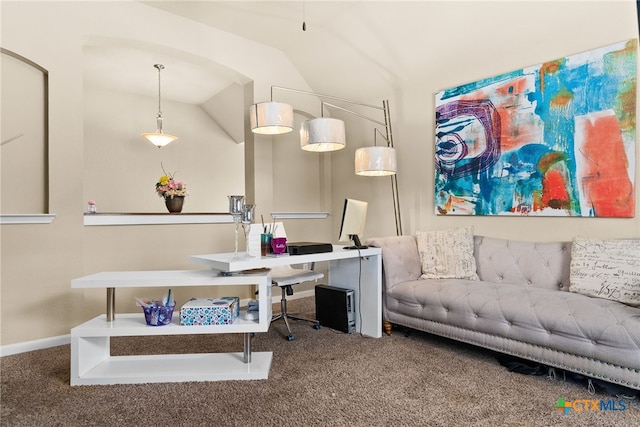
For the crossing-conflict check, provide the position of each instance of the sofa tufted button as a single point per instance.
(528, 282)
(501, 277)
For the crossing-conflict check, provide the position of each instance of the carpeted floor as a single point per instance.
(323, 378)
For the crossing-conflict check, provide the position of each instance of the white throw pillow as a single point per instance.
(607, 269)
(447, 254)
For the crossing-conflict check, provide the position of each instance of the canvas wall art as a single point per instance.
(555, 139)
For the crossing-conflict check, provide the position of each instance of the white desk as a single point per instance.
(358, 270)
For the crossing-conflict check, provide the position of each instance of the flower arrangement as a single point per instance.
(168, 187)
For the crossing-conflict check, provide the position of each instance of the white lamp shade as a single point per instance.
(271, 118)
(322, 134)
(376, 161)
(159, 139)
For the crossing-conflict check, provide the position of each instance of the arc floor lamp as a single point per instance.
(322, 134)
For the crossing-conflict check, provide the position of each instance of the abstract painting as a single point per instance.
(555, 139)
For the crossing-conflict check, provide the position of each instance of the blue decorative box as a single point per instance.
(210, 311)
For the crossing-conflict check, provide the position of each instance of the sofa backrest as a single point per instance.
(539, 264)
(400, 258)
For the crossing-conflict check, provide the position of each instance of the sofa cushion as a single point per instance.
(565, 321)
(607, 269)
(447, 254)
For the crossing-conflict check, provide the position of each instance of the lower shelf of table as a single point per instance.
(177, 368)
(133, 324)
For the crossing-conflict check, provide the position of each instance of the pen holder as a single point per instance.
(158, 315)
(265, 244)
(279, 245)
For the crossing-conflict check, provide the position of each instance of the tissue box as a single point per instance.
(210, 311)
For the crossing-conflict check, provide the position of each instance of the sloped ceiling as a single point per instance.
(131, 69)
(356, 47)
(348, 46)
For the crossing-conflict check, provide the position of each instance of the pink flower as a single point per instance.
(168, 187)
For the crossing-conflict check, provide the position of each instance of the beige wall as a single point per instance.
(39, 261)
(469, 41)
(204, 156)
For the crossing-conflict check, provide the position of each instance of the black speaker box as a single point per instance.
(335, 308)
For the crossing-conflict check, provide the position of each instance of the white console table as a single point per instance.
(358, 270)
(92, 363)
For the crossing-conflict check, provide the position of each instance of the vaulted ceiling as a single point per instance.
(345, 48)
(356, 47)
(347, 45)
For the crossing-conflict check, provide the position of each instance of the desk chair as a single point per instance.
(286, 277)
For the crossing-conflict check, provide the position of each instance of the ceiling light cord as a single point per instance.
(159, 67)
(304, 19)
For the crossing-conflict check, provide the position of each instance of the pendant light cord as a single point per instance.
(304, 20)
(159, 67)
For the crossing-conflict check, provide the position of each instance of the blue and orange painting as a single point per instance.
(555, 139)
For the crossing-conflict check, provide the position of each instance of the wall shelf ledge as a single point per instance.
(299, 215)
(27, 218)
(99, 219)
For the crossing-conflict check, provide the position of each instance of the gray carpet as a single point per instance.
(323, 378)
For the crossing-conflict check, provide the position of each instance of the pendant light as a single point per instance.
(159, 138)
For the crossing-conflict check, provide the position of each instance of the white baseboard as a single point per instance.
(275, 299)
(24, 347)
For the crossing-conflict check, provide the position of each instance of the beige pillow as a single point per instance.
(447, 254)
(607, 269)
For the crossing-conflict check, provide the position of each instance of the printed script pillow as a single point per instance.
(607, 269)
(447, 254)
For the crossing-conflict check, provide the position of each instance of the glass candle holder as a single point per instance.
(236, 205)
(247, 220)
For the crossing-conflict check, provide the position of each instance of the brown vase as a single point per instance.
(174, 205)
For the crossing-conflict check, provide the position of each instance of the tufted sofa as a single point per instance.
(521, 306)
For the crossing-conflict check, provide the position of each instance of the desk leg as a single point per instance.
(247, 347)
(111, 304)
(363, 276)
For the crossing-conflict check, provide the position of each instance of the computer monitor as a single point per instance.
(354, 217)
